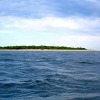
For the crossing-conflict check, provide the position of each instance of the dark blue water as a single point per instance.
(49, 75)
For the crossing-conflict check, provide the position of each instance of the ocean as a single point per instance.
(49, 75)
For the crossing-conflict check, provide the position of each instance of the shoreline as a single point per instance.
(48, 50)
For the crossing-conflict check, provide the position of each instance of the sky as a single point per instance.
(74, 23)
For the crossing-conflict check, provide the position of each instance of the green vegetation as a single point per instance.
(42, 47)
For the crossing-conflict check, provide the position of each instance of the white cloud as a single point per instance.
(50, 23)
(37, 24)
(6, 31)
(75, 31)
(87, 41)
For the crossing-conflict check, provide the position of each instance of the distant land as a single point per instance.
(42, 47)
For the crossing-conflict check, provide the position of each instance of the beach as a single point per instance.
(48, 50)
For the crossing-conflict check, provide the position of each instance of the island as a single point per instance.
(41, 47)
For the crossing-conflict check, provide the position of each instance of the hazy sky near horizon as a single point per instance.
(74, 23)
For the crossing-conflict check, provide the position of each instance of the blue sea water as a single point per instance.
(35, 75)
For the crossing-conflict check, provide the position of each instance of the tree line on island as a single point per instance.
(42, 47)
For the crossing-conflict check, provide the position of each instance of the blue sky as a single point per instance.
(74, 23)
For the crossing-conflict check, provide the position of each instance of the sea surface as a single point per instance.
(39, 75)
